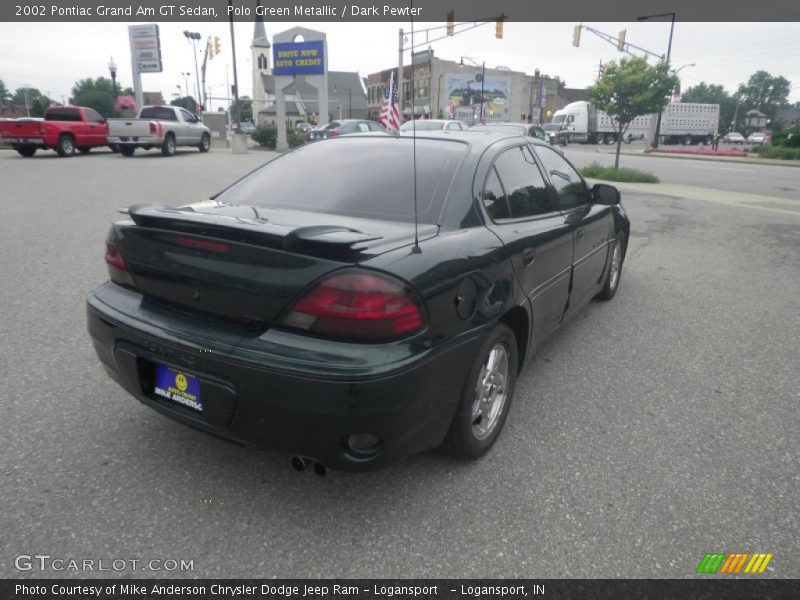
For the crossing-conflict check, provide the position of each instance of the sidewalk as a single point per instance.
(733, 159)
(771, 203)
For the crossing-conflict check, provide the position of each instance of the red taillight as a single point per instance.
(113, 256)
(42, 130)
(334, 133)
(153, 128)
(356, 306)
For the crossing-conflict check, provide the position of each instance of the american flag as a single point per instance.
(390, 111)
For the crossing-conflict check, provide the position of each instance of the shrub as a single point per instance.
(296, 139)
(266, 136)
(781, 152)
(597, 171)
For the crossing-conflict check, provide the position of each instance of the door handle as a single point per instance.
(528, 256)
(579, 233)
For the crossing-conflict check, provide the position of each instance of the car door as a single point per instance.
(189, 129)
(97, 128)
(591, 224)
(522, 212)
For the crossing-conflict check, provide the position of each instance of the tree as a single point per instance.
(765, 93)
(95, 93)
(629, 89)
(5, 94)
(32, 99)
(704, 93)
(186, 102)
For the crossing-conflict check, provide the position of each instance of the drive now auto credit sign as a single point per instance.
(298, 58)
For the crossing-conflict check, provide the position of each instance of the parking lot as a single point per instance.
(650, 430)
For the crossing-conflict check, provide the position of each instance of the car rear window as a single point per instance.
(62, 114)
(362, 177)
(160, 113)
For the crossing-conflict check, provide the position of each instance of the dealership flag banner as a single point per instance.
(390, 111)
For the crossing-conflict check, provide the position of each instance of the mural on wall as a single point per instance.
(464, 92)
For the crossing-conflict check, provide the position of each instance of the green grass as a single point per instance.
(780, 152)
(596, 171)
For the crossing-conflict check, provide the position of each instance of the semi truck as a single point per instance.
(681, 123)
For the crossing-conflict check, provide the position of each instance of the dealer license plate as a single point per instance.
(178, 386)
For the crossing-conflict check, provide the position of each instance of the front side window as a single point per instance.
(568, 183)
(188, 117)
(525, 187)
(93, 116)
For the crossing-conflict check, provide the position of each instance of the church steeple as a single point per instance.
(259, 48)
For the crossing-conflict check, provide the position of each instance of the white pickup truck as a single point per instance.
(163, 127)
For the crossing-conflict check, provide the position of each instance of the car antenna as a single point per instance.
(416, 249)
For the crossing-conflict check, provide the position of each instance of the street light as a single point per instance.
(112, 68)
(669, 53)
(483, 78)
(193, 37)
(349, 97)
(678, 70)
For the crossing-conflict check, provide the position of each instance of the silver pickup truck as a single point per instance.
(163, 127)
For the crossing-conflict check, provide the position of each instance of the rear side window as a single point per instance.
(159, 113)
(525, 187)
(367, 177)
(566, 180)
(62, 114)
(494, 198)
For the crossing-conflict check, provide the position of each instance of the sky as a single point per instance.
(52, 56)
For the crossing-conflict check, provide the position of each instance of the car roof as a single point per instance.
(478, 140)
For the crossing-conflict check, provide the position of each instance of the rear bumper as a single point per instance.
(135, 140)
(295, 395)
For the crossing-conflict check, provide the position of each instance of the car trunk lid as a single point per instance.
(242, 262)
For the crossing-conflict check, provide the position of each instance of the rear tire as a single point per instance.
(205, 143)
(26, 151)
(65, 146)
(168, 147)
(614, 271)
(486, 397)
(127, 150)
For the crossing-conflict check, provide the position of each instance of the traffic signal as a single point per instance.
(217, 47)
(621, 41)
(451, 22)
(576, 36)
(498, 28)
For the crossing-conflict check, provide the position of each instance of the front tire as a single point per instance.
(168, 147)
(205, 143)
(65, 146)
(614, 271)
(486, 397)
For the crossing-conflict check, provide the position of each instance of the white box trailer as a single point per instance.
(686, 123)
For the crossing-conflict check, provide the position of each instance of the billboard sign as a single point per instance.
(298, 58)
(464, 93)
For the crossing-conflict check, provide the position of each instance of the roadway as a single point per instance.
(652, 429)
(767, 180)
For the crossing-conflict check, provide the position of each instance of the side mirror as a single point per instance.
(605, 194)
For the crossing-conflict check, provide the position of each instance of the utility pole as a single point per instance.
(235, 78)
(669, 52)
(399, 78)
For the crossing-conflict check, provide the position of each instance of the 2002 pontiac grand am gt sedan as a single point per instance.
(296, 311)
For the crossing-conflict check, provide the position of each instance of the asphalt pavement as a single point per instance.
(650, 430)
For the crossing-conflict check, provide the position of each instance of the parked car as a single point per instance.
(163, 127)
(734, 137)
(302, 127)
(759, 138)
(433, 125)
(343, 127)
(65, 129)
(318, 316)
(247, 127)
(534, 131)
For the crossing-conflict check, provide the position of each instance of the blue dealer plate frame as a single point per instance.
(178, 386)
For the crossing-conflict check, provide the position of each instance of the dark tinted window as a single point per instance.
(62, 114)
(373, 126)
(525, 187)
(494, 198)
(159, 113)
(370, 177)
(568, 183)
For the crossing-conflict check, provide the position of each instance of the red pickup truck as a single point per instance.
(64, 128)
